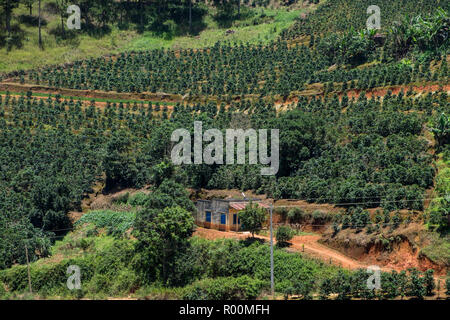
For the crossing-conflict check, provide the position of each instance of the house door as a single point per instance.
(208, 216)
(223, 218)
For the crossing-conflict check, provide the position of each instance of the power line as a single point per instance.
(286, 206)
(358, 197)
(356, 203)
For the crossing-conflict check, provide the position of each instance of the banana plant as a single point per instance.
(442, 129)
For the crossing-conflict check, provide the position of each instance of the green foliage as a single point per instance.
(161, 234)
(354, 285)
(396, 220)
(349, 48)
(424, 32)
(447, 286)
(240, 288)
(162, 171)
(300, 289)
(105, 272)
(416, 284)
(283, 235)
(169, 194)
(429, 282)
(252, 218)
(2, 290)
(122, 198)
(442, 129)
(372, 155)
(119, 163)
(437, 213)
(438, 250)
(296, 215)
(115, 223)
(138, 199)
(341, 15)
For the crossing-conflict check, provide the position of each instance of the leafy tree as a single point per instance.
(402, 283)
(342, 285)
(8, 6)
(283, 235)
(29, 4)
(416, 284)
(295, 215)
(326, 288)
(160, 236)
(303, 289)
(120, 162)
(429, 282)
(252, 218)
(169, 194)
(442, 130)
(162, 171)
(359, 287)
(62, 6)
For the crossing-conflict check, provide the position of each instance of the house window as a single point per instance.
(208, 216)
(235, 219)
(223, 218)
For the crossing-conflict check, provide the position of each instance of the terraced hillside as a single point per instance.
(364, 135)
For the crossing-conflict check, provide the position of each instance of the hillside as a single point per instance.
(88, 179)
(257, 24)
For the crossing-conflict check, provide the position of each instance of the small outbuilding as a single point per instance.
(223, 214)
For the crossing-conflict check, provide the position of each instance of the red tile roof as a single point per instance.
(241, 205)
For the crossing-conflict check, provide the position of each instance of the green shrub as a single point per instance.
(138, 199)
(416, 284)
(429, 282)
(2, 290)
(396, 220)
(123, 198)
(320, 217)
(116, 223)
(283, 235)
(297, 215)
(241, 288)
(447, 286)
(107, 272)
(283, 212)
(125, 282)
(99, 283)
(45, 278)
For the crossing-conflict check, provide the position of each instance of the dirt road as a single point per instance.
(307, 244)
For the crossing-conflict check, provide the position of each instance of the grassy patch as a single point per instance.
(265, 32)
(266, 232)
(115, 223)
(438, 251)
(263, 26)
(29, 56)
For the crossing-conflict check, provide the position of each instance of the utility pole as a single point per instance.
(28, 266)
(272, 286)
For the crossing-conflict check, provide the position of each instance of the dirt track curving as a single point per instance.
(307, 244)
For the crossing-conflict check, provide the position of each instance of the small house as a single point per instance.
(222, 214)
